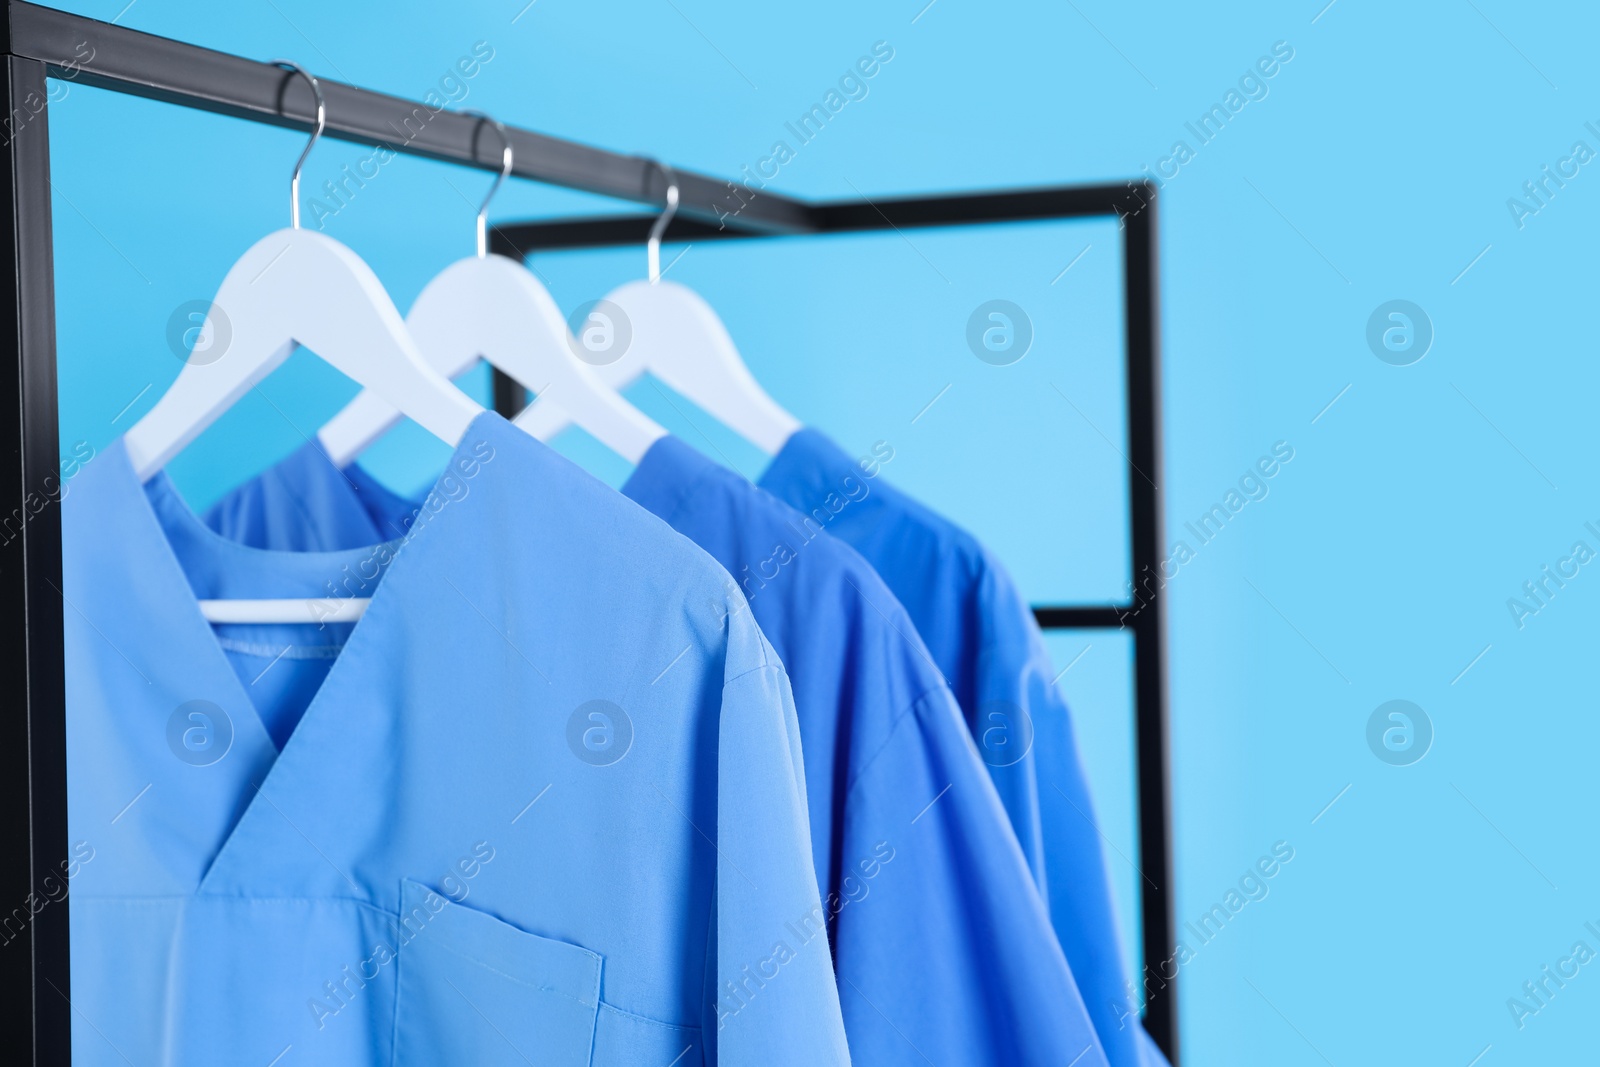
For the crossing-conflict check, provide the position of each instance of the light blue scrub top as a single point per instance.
(981, 633)
(303, 503)
(543, 804)
(942, 945)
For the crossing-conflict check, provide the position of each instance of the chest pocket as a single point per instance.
(475, 990)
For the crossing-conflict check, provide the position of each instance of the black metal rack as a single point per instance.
(40, 43)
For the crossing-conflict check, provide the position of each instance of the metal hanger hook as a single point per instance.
(322, 122)
(505, 172)
(653, 245)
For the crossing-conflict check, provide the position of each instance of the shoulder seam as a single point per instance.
(756, 670)
(908, 711)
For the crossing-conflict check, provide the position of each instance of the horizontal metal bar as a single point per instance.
(1082, 617)
(521, 239)
(956, 209)
(113, 57)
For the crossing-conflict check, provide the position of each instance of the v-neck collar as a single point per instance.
(216, 567)
(254, 764)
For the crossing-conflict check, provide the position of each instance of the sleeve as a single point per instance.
(1016, 671)
(774, 1002)
(944, 945)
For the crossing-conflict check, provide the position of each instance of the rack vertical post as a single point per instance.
(33, 782)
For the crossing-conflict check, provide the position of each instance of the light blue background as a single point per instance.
(1378, 166)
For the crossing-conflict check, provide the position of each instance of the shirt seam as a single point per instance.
(264, 649)
(534, 985)
(778, 667)
(636, 1017)
(907, 711)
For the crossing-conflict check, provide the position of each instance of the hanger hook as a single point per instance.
(653, 246)
(322, 122)
(505, 171)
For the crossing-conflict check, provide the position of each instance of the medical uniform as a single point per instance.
(942, 944)
(981, 633)
(544, 803)
(948, 948)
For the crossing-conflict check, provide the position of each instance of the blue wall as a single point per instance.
(1374, 164)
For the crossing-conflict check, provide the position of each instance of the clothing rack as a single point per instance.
(41, 43)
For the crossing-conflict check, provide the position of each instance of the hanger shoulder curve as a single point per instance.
(681, 340)
(298, 288)
(494, 308)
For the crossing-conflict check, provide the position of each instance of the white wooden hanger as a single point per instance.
(292, 288)
(493, 308)
(678, 338)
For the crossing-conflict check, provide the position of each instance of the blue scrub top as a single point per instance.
(942, 944)
(303, 503)
(981, 633)
(948, 948)
(543, 803)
